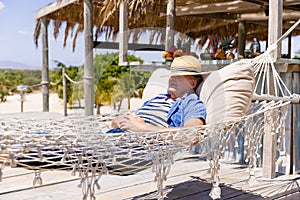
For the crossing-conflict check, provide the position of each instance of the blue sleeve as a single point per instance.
(193, 107)
(188, 107)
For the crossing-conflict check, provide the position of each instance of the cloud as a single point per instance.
(22, 32)
(1, 5)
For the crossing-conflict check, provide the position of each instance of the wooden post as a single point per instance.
(64, 90)
(171, 13)
(274, 32)
(45, 65)
(290, 46)
(275, 25)
(295, 115)
(22, 101)
(88, 59)
(123, 25)
(288, 79)
(241, 37)
(269, 148)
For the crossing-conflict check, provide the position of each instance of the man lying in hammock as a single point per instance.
(180, 107)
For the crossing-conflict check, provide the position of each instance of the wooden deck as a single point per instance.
(188, 179)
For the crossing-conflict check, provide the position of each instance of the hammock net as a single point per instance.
(81, 144)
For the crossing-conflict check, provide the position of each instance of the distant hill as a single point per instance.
(15, 65)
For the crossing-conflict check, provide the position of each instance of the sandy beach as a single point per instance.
(33, 103)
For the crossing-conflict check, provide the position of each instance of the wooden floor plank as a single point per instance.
(24, 181)
(188, 179)
(16, 171)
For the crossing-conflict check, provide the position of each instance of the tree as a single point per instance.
(74, 87)
(4, 86)
(297, 54)
(113, 82)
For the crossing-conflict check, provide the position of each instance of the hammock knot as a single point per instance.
(37, 178)
(215, 192)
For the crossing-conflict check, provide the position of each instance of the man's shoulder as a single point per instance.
(190, 96)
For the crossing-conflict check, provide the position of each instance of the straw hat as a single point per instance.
(185, 65)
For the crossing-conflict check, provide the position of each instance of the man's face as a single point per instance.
(179, 85)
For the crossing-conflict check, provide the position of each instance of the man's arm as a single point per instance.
(133, 122)
(194, 122)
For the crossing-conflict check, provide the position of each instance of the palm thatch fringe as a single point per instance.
(143, 14)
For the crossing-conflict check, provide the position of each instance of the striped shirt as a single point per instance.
(155, 111)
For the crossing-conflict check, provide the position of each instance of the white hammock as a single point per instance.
(76, 143)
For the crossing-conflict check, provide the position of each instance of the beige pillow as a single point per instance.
(157, 84)
(227, 93)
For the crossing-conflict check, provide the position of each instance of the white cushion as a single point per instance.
(227, 93)
(157, 84)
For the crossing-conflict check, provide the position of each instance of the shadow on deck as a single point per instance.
(197, 189)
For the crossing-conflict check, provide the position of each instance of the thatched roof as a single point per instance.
(197, 18)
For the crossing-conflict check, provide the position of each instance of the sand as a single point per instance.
(33, 104)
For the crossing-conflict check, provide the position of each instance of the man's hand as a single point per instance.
(132, 122)
(116, 121)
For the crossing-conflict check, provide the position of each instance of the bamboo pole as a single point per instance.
(123, 24)
(275, 25)
(64, 90)
(45, 65)
(171, 13)
(269, 140)
(88, 59)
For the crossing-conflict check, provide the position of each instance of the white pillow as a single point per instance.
(157, 84)
(227, 93)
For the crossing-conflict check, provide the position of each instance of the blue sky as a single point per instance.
(16, 37)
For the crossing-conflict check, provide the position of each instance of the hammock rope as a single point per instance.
(92, 154)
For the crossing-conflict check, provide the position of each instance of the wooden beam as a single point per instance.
(269, 139)
(275, 25)
(131, 46)
(290, 2)
(88, 58)
(52, 7)
(170, 23)
(45, 65)
(290, 5)
(295, 7)
(123, 26)
(290, 46)
(212, 8)
(293, 15)
(242, 37)
(221, 15)
(259, 2)
(215, 16)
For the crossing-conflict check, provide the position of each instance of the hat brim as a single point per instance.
(185, 74)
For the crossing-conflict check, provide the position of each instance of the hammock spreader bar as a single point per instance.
(295, 99)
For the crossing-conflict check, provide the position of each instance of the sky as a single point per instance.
(17, 44)
(17, 26)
